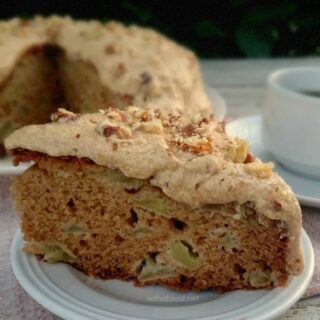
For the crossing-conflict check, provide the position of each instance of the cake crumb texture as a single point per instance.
(114, 227)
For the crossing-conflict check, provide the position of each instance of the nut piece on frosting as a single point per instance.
(125, 132)
(198, 136)
(153, 126)
(259, 169)
(124, 125)
(239, 153)
(106, 128)
(63, 116)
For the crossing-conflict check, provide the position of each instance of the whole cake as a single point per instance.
(85, 65)
(157, 198)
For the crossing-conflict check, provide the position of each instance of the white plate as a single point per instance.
(306, 190)
(73, 295)
(219, 105)
(7, 168)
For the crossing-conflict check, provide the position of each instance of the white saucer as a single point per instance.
(72, 295)
(219, 105)
(306, 190)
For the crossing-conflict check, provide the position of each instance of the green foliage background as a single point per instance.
(217, 29)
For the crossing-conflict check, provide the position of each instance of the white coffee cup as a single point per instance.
(291, 119)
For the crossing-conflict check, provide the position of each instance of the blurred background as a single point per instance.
(213, 29)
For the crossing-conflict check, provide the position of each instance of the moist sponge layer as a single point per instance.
(111, 226)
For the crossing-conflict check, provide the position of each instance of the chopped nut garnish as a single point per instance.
(63, 116)
(194, 141)
(188, 130)
(145, 116)
(124, 132)
(261, 170)
(157, 113)
(249, 158)
(107, 128)
(202, 147)
(108, 131)
(133, 110)
(154, 126)
(116, 115)
(110, 49)
(119, 70)
(194, 137)
(122, 68)
(145, 78)
(193, 145)
(239, 153)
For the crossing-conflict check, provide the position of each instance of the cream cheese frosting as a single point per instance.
(192, 161)
(135, 62)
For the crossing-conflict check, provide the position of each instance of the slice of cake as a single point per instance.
(84, 65)
(153, 197)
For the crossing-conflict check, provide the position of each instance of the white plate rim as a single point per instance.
(257, 120)
(7, 168)
(67, 312)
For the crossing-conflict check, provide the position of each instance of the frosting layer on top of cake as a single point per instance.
(193, 161)
(139, 63)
